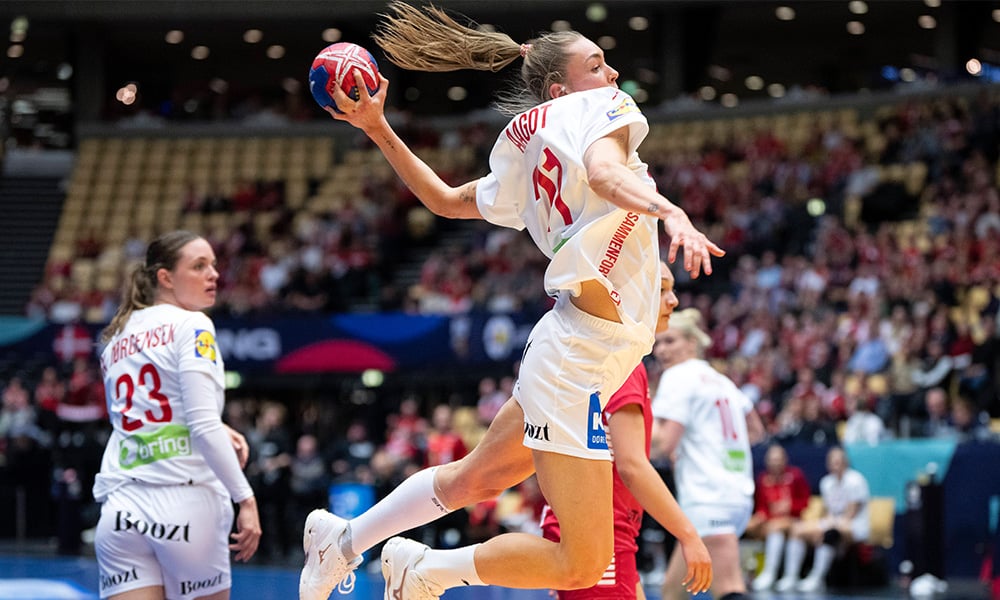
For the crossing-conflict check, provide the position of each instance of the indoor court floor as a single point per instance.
(25, 577)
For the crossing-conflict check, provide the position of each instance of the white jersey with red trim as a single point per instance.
(713, 463)
(141, 367)
(538, 181)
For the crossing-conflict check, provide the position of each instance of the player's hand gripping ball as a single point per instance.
(334, 66)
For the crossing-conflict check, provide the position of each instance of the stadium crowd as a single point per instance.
(855, 305)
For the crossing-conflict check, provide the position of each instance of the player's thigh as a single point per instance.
(579, 492)
(499, 461)
(127, 565)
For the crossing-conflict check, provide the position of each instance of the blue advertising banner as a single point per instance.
(290, 344)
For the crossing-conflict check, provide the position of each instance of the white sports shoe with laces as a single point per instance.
(400, 567)
(326, 566)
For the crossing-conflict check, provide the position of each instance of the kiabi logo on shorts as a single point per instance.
(597, 439)
(167, 442)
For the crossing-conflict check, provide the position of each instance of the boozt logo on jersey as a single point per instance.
(204, 344)
(627, 106)
(142, 449)
(597, 439)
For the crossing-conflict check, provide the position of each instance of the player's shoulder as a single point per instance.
(184, 318)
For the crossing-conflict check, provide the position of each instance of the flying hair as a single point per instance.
(429, 39)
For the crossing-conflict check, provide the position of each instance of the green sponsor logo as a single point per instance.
(167, 442)
(734, 460)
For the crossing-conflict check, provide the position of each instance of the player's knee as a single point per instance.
(585, 572)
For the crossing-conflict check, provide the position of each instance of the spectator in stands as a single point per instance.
(18, 417)
(780, 496)
(970, 424)
(844, 521)
(309, 479)
(49, 394)
(444, 445)
(612, 193)
(491, 399)
(354, 451)
(706, 425)
(269, 473)
(862, 426)
(938, 421)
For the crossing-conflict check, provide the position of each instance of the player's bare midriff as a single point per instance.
(594, 299)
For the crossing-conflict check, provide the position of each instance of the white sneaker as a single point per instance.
(326, 566)
(810, 584)
(786, 584)
(763, 582)
(403, 581)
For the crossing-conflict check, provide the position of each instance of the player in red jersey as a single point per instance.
(628, 420)
(781, 495)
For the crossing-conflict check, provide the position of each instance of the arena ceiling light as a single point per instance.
(252, 36)
(174, 36)
(638, 23)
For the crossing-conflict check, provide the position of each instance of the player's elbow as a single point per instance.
(603, 176)
(630, 471)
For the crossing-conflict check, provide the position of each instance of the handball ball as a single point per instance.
(334, 66)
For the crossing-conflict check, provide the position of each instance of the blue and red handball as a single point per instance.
(334, 66)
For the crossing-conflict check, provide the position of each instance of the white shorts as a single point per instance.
(176, 536)
(718, 519)
(860, 528)
(573, 362)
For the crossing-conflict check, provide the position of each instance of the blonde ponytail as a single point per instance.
(428, 39)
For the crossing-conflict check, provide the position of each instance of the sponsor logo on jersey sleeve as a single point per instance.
(627, 106)
(204, 344)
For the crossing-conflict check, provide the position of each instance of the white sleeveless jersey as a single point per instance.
(538, 181)
(150, 441)
(714, 464)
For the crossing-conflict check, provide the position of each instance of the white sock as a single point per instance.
(822, 561)
(451, 568)
(413, 503)
(773, 546)
(795, 553)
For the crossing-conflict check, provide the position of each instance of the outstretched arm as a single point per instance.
(627, 431)
(606, 161)
(367, 114)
